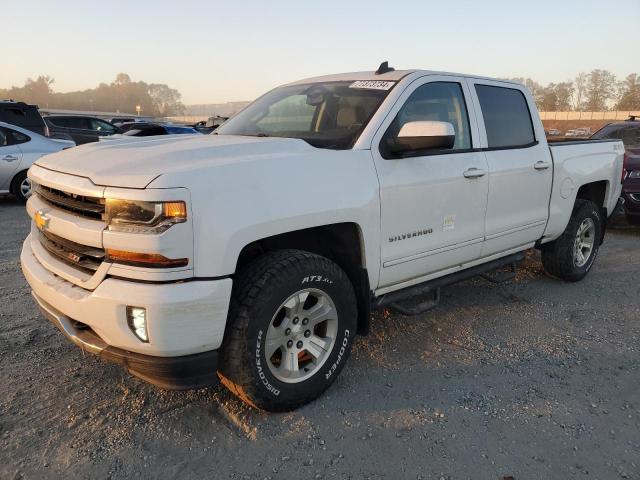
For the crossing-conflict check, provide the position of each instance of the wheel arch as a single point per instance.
(342, 243)
(595, 192)
(14, 178)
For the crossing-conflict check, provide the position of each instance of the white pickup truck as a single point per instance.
(256, 254)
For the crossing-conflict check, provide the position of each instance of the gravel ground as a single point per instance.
(536, 379)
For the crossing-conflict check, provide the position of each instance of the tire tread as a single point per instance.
(253, 281)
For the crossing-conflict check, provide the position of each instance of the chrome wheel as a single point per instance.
(25, 188)
(301, 335)
(584, 242)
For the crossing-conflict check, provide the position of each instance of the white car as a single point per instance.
(256, 253)
(19, 149)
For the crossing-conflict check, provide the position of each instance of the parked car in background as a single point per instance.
(583, 132)
(553, 132)
(120, 120)
(19, 149)
(80, 129)
(570, 133)
(23, 115)
(209, 125)
(629, 132)
(140, 129)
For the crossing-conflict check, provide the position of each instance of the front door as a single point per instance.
(433, 203)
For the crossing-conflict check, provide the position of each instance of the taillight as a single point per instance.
(625, 162)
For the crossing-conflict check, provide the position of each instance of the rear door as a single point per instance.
(432, 202)
(10, 157)
(520, 165)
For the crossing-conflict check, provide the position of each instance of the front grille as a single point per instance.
(91, 207)
(80, 256)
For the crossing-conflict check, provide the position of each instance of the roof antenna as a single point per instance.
(384, 68)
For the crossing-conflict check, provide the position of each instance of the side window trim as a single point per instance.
(473, 126)
(472, 82)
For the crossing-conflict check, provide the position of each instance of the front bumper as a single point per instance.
(172, 373)
(184, 319)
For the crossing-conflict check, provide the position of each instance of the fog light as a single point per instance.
(137, 320)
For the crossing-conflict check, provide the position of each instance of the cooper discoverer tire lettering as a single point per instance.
(290, 329)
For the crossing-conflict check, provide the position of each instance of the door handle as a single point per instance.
(541, 165)
(474, 172)
(10, 158)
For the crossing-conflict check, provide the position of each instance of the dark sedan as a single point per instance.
(80, 129)
(629, 132)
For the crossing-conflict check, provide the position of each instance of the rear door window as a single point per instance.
(78, 122)
(18, 137)
(58, 121)
(506, 117)
(9, 136)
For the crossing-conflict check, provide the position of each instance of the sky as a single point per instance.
(213, 51)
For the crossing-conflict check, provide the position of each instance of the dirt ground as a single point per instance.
(535, 379)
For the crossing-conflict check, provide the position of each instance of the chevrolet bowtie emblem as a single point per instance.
(41, 219)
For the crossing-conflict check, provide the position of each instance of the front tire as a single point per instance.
(291, 325)
(21, 186)
(571, 256)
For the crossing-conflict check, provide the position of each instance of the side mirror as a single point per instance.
(423, 135)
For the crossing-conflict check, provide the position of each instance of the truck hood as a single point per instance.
(135, 164)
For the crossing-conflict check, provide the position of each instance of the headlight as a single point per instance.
(143, 217)
(634, 174)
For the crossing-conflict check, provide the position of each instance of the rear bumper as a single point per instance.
(632, 202)
(174, 373)
(631, 195)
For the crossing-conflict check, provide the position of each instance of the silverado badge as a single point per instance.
(41, 219)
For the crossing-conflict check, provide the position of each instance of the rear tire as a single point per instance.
(21, 186)
(291, 325)
(571, 256)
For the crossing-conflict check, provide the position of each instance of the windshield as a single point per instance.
(325, 115)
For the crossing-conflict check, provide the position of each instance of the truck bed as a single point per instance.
(582, 162)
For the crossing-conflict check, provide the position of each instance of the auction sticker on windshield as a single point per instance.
(372, 84)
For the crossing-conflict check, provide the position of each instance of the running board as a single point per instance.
(395, 299)
(501, 277)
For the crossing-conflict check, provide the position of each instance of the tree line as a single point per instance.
(123, 95)
(589, 92)
(596, 91)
